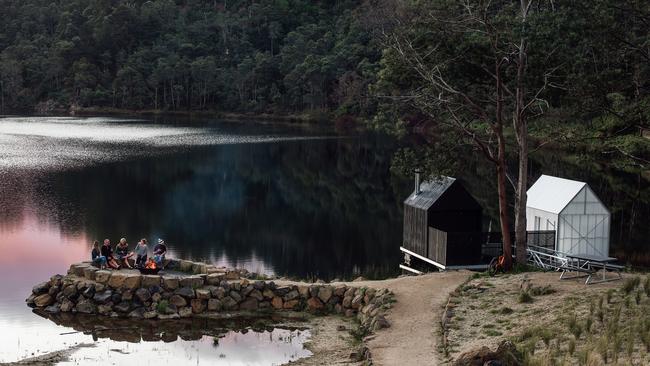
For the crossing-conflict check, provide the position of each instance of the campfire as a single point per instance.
(150, 267)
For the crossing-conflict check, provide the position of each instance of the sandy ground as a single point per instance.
(48, 359)
(413, 336)
(330, 344)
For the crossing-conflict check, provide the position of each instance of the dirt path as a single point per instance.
(412, 338)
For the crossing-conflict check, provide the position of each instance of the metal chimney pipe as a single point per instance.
(417, 182)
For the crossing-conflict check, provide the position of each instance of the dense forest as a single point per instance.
(321, 57)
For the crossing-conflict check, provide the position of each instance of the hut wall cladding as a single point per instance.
(415, 229)
(437, 246)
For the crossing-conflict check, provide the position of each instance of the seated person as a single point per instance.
(107, 252)
(141, 253)
(122, 253)
(159, 253)
(98, 259)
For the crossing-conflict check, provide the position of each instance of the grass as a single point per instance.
(162, 306)
(525, 297)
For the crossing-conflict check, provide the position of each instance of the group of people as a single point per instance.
(106, 257)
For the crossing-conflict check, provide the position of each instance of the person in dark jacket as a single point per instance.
(159, 252)
(107, 252)
(97, 257)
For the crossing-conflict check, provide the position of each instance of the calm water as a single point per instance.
(273, 199)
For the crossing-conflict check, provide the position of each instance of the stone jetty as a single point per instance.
(197, 290)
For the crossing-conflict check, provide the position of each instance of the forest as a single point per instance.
(328, 58)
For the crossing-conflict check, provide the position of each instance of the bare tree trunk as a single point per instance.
(503, 202)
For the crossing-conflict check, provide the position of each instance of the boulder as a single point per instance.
(232, 275)
(123, 307)
(313, 290)
(277, 303)
(178, 301)
(102, 276)
(99, 287)
(249, 304)
(78, 269)
(143, 294)
(379, 322)
(104, 309)
(89, 273)
(168, 317)
(117, 280)
(198, 268)
(150, 280)
(325, 293)
(185, 312)
(86, 306)
(192, 281)
(116, 298)
(235, 296)
(127, 295)
(185, 266)
(314, 304)
(291, 304)
(203, 294)
(56, 280)
(89, 292)
(70, 292)
(198, 305)
(214, 278)
(53, 309)
(41, 288)
(53, 291)
(218, 292)
(137, 313)
(356, 302)
(304, 292)
(103, 297)
(291, 295)
(150, 314)
(214, 305)
(186, 292)
(268, 294)
(229, 303)
(170, 282)
(43, 300)
(340, 290)
(66, 306)
(246, 290)
(347, 302)
(257, 295)
(156, 297)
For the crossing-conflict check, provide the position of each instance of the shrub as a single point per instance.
(525, 298)
(162, 306)
(630, 284)
(542, 290)
(572, 346)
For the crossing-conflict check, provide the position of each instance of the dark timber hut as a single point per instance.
(442, 224)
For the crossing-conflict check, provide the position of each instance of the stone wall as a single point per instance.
(127, 293)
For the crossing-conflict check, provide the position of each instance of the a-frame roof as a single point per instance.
(553, 194)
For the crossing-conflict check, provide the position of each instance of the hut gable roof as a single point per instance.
(553, 194)
(430, 192)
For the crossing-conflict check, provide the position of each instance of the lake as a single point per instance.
(282, 200)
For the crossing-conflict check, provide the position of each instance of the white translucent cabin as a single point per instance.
(580, 220)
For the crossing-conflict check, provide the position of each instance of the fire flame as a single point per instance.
(150, 264)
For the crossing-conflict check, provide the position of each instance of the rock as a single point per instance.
(70, 292)
(102, 276)
(56, 280)
(268, 294)
(123, 307)
(89, 292)
(155, 289)
(78, 269)
(236, 286)
(214, 278)
(66, 306)
(379, 322)
(264, 305)
(277, 303)
(104, 309)
(291, 304)
(89, 273)
(126, 280)
(369, 295)
(53, 291)
(103, 297)
(116, 298)
(168, 317)
(325, 293)
(338, 308)
(214, 305)
(246, 290)
(347, 302)
(137, 313)
(232, 275)
(356, 302)
(235, 296)
(257, 295)
(178, 301)
(186, 292)
(43, 300)
(203, 294)
(143, 294)
(185, 312)
(249, 304)
(170, 282)
(192, 281)
(229, 303)
(341, 328)
(506, 354)
(350, 292)
(86, 306)
(185, 266)
(53, 309)
(99, 287)
(291, 295)
(218, 292)
(127, 295)
(150, 280)
(198, 268)
(198, 305)
(340, 290)
(41, 288)
(152, 314)
(350, 313)
(314, 304)
(156, 297)
(359, 279)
